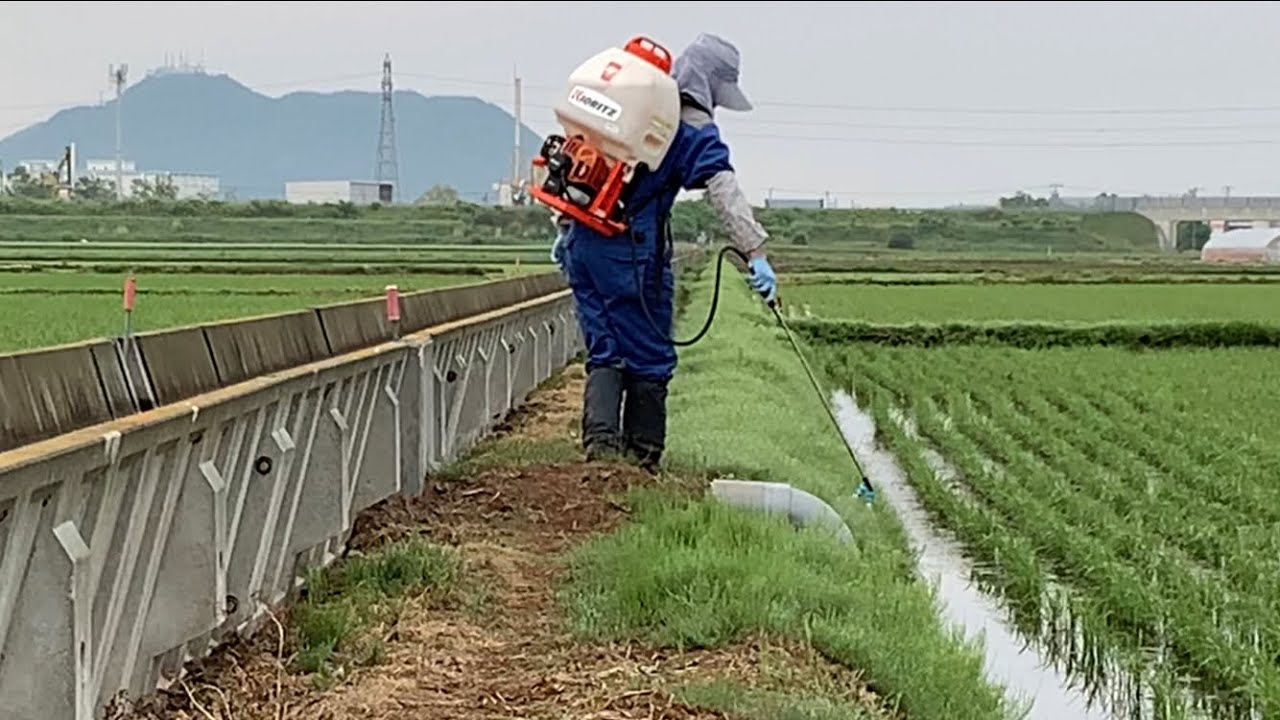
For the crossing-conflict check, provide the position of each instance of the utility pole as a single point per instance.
(388, 166)
(1226, 191)
(118, 76)
(515, 152)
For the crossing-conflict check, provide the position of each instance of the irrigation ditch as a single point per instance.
(1031, 646)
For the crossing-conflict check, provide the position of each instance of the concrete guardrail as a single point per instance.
(157, 497)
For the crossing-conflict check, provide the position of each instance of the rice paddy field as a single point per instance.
(1094, 432)
(1079, 303)
(56, 293)
(1104, 455)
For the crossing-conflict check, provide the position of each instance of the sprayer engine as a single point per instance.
(619, 115)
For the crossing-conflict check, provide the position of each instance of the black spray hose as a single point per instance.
(715, 295)
(865, 490)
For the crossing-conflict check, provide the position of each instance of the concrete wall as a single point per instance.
(158, 497)
(52, 391)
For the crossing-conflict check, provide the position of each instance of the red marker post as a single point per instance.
(393, 309)
(130, 297)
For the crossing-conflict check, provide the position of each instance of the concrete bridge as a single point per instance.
(1167, 212)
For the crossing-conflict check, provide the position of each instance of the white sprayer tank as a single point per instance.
(623, 105)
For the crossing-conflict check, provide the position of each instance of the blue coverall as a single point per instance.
(604, 277)
(630, 353)
(630, 357)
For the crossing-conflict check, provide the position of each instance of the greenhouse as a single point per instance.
(1256, 245)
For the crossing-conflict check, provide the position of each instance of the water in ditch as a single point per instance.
(1008, 660)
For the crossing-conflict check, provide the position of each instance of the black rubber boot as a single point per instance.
(644, 423)
(601, 414)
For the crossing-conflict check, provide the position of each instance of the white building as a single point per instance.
(36, 168)
(108, 167)
(189, 186)
(359, 192)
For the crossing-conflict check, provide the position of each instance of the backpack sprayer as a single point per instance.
(620, 117)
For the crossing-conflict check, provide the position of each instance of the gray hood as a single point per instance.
(707, 71)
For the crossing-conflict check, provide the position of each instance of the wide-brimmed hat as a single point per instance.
(708, 71)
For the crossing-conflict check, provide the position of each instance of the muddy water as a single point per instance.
(1030, 678)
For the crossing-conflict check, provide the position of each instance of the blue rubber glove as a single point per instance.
(762, 279)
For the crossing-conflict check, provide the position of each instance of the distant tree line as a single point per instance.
(440, 213)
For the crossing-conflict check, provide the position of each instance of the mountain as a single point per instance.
(202, 123)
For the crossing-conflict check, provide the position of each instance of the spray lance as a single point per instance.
(865, 490)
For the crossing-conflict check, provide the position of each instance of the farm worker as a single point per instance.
(627, 356)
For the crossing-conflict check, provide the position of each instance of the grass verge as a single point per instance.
(338, 618)
(689, 573)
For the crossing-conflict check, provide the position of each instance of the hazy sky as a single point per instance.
(889, 102)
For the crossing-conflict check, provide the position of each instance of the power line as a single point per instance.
(907, 108)
(946, 142)
(922, 193)
(1008, 129)
(937, 127)
(1003, 144)
(1225, 142)
(1016, 111)
(960, 110)
(824, 106)
(928, 141)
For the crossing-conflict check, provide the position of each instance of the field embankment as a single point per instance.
(452, 605)
(547, 586)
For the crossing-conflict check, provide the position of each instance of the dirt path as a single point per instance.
(504, 652)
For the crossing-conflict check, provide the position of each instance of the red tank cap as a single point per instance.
(649, 51)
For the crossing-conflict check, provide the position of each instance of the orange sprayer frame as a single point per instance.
(595, 215)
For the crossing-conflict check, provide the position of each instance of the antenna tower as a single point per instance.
(515, 149)
(388, 167)
(118, 76)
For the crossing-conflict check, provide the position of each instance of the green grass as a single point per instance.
(1082, 303)
(32, 321)
(174, 252)
(843, 258)
(1067, 275)
(402, 226)
(224, 284)
(273, 267)
(332, 620)
(689, 572)
(43, 309)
